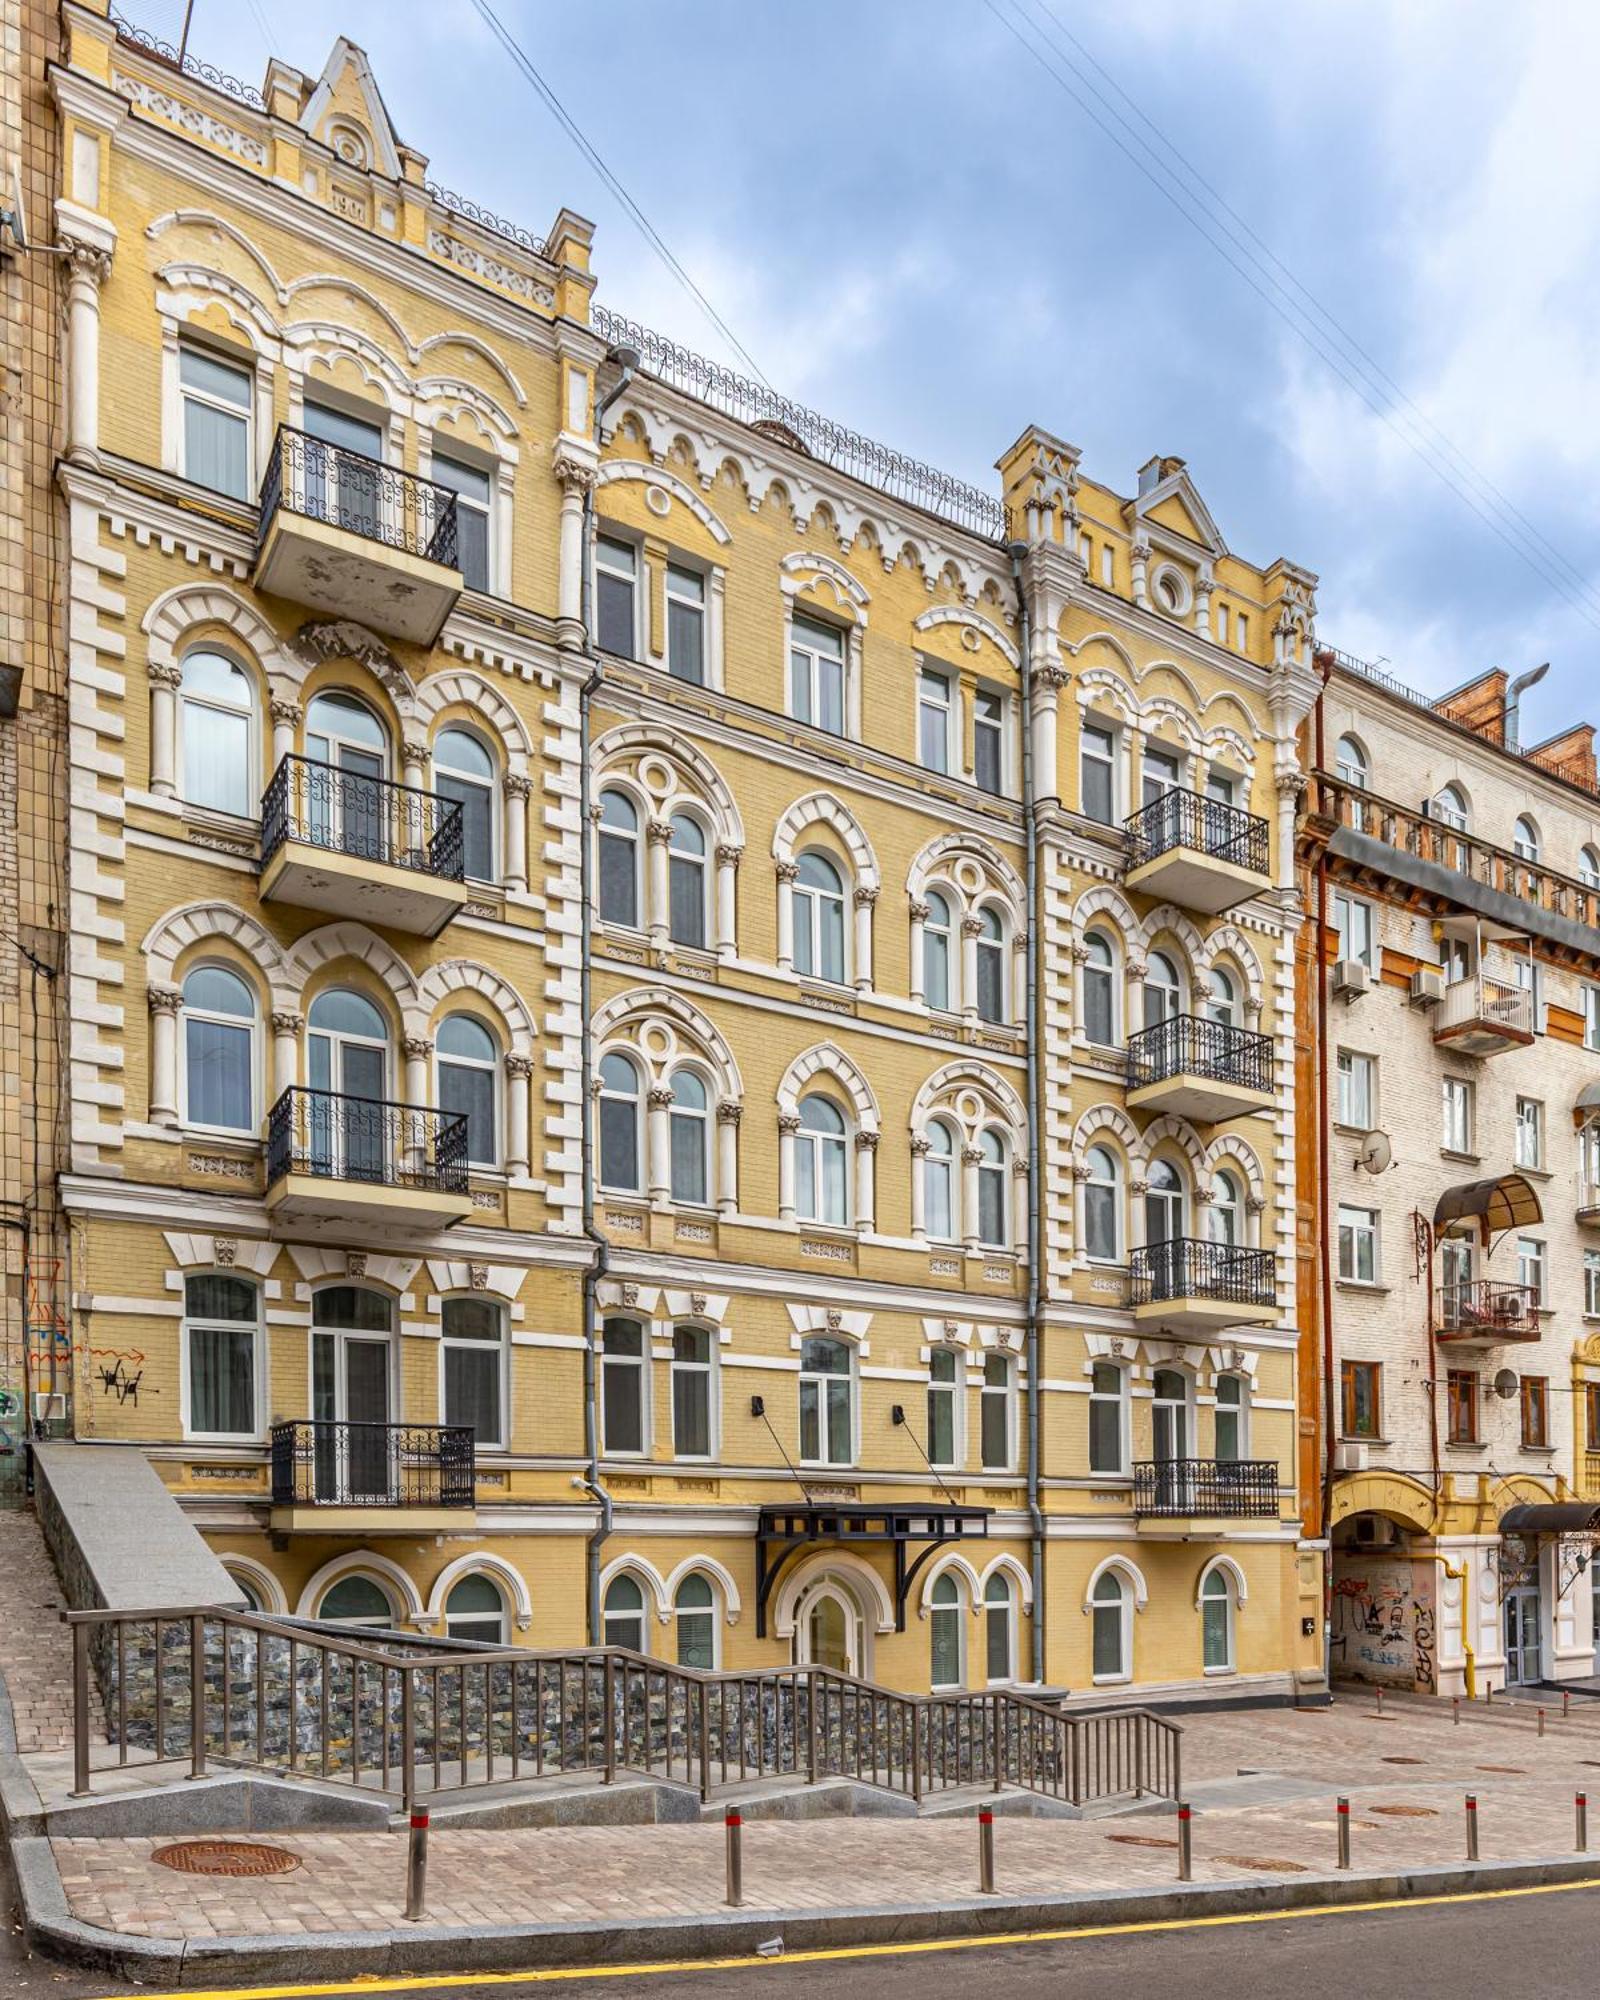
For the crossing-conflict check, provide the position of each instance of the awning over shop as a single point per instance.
(1506, 1202)
(1551, 1517)
(781, 1531)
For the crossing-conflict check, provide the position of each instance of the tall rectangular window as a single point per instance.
(1107, 1429)
(622, 1382)
(686, 624)
(474, 1368)
(1591, 1017)
(1591, 1283)
(1530, 1132)
(816, 674)
(942, 1400)
(1352, 924)
(989, 740)
(1360, 1383)
(616, 578)
(470, 484)
(1591, 1415)
(1457, 1115)
(1354, 1103)
(1535, 1398)
(934, 716)
(216, 421)
(1097, 773)
(1530, 1266)
(691, 1391)
(220, 1314)
(995, 1414)
(1358, 1245)
(1461, 1406)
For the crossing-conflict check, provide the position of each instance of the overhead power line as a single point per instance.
(635, 213)
(1548, 564)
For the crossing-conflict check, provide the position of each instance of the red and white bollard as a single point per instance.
(1472, 1826)
(985, 1851)
(735, 1827)
(1344, 1833)
(417, 1866)
(1185, 1850)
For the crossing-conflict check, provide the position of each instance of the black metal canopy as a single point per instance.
(1506, 1202)
(1551, 1517)
(782, 1531)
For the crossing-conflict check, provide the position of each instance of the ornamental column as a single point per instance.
(919, 945)
(788, 874)
(517, 790)
(920, 1149)
(658, 1122)
(88, 267)
(417, 1050)
(728, 1117)
(1019, 1205)
(728, 858)
(164, 1004)
(576, 478)
(971, 1159)
(865, 898)
(866, 1178)
(519, 1084)
(788, 1126)
(658, 837)
(286, 719)
(165, 680)
(1019, 978)
(971, 931)
(1045, 685)
(287, 1028)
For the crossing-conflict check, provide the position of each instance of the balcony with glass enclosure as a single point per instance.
(1192, 1283)
(1199, 1069)
(349, 842)
(1198, 852)
(346, 534)
(337, 1156)
(372, 1478)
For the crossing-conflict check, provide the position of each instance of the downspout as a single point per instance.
(600, 1262)
(1324, 1205)
(1017, 550)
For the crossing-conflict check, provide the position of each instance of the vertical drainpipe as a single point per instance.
(600, 1263)
(1324, 1206)
(1016, 551)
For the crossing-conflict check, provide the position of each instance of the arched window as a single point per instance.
(357, 1600)
(1163, 990)
(469, 1073)
(619, 860)
(220, 1317)
(992, 1204)
(624, 1614)
(348, 808)
(347, 1057)
(1350, 762)
(686, 862)
(691, 1138)
(624, 1403)
(991, 994)
(219, 1050)
(1110, 1620)
(819, 919)
(691, 1391)
(1100, 991)
(1102, 1207)
(999, 1629)
(1589, 867)
(1216, 1623)
(936, 942)
(822, 1163)
(1525, 839)
(944, 1633)
(249, 1590)
(476, 1610)
(620, 1105)
(1108, 1417)
(217, 720)
(473, 1357)
(1222, 998)
(944, 1406)
(1163, 1203)
(939, 1183)
(827, 1403)
(994, 1414)
(1450, 805)
(695, 1609)
(1233, 1417)
(463, 771)
(1227, 1208)
(1169, 1415)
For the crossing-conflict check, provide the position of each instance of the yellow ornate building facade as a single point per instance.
(683, 1030)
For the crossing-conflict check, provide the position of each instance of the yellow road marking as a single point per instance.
(421, 1982)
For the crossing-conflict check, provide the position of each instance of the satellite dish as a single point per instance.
(1375, 1152)
(1505, 1384)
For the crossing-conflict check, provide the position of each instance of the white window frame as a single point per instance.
(603, 541)
(1362, 1225)
(1457, 1093)
(250, 711)
(710, 1370)
(816, 1142)
(1001, 1582)
(1353, 915)
(245, 413)
(465, 461)
(1591, 1017)
(803, 640)
(640, 1133)
(502, 1363)
(258, 1362)
(817, 1381)
(1092, 730)
(640, 1364)
(1216, 1587)
(674, 592)
(492, 785)
(1529, 1147)
(1357, 1094)
(1123, 1609)
(1591, 1284)
(495, 1067)
(955, 1611)
(1123, 1404)
(938, 711)
(1533, 1267)
(1239, 1411)
(1118, 1209)
(705, 1120)
(954, 1391)
(1005, 1394)
(998, 725)
(250, 1024)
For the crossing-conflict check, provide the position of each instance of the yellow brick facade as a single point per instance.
(859, 929)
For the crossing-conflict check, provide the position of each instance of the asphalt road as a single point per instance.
(1542, 1944)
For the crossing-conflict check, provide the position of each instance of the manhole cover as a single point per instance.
(1506, 1770)
(1265, 1867)
(1140, 1840)
(1405, 1812)
(1402, 1760)
(226, 1857)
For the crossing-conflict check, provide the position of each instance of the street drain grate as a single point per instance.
(1140, 1840)
(1402, 1760)
(1406, 1812)
(1506, 1770)
(1263, 1867)
(226, 1857)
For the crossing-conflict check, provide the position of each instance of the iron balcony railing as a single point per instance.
(1192, 1267)
(372, 819)
(330, 1136)
(326, 1464)
(1587, 1199)
(1217, 1486)
(1484, 1309)
(1208, 826)
(347, 489)
(1190, 1045)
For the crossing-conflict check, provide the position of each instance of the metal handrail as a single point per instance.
(1481, 999)
(1194, 1267)
(1181, 818)
(1207, 1486)
(318, 1462)
(348, 489)
(1192, 1045)
(330, 1135)
(1487, 1306)
(371, 819)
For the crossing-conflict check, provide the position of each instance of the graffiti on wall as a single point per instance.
(1385, 1623)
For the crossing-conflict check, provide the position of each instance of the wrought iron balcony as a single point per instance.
(359, 846)
(1191, 1281)
(1481, 1309)
(1197, 851)
(356, 538)
(329, 1154)
(1240, 1487)
(321, 1464)
(1481, 1016)
(1198, 1068)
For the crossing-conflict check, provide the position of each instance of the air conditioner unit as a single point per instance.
(49, 1405)
(1350, 977)
(1349, 1457)
(1375, 1531)
(1427, 986)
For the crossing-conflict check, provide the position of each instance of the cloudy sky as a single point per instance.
(911, 225)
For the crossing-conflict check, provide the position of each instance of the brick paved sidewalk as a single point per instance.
(35, 1647)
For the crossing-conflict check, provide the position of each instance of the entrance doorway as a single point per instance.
(350, 1395)
(828, 1630)
(1524, 1659)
